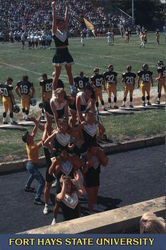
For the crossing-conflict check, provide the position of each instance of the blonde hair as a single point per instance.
(150, 223)
(60, 91)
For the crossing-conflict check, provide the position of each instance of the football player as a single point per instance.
(109, 38)
(25, 90)
(46, 85)
(82, 38)
(142, 40)
(145, 77)
(81, 81)
(127, 36)
(128, 78)
(110, 77)
(98, 82)
(7, 100)
(161, 69)
(157, 37)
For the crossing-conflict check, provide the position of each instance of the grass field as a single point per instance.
(118, 129)
(16, 62)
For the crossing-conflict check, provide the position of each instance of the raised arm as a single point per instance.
(61, 195)
(54, 26)
(78, 107)
(49, 139)
(37, 122)
(67, 16)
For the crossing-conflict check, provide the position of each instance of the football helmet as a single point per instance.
(145, 66)
(16, 108)
(33, 102)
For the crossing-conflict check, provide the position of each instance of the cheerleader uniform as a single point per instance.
(62, 55)
(90, 134)
(61, 142)
(70, 206)
(92, 176)
(83, 102)
(60, 109)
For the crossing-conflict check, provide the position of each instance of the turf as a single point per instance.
(16, 62)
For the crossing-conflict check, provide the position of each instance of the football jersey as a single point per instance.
(47, 85)
(162, 71)
(110, 77)
(129, 77)
(24, 87)
(5, 89)
(80, 82)
(97, 80)
(145, 75)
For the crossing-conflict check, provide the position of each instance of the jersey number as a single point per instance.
(24, 89)
(4, 92)
(48, 87)
(145, 77)
(99, 82)
(129, 79)
(110, 78)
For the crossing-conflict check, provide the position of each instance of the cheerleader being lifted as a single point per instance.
(62, 55)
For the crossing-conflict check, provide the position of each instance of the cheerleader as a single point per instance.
(67, 198)
(84, 100)
(73, 111)
(59, 105)
(62, 55)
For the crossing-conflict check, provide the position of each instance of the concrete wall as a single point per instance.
(120, 220)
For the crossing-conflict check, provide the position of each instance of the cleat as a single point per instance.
(131, 106)
(149, 104)
(5, 122)
(143, 104)
(123, 106)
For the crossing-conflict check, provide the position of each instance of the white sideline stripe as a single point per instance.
(117, 58)
(24, 69)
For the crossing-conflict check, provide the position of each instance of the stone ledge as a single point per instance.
(111, 148)
(16, 166)
(120, 220)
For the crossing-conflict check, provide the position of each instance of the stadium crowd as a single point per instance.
(34, 17)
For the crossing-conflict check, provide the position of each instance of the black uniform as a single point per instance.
(80, 82)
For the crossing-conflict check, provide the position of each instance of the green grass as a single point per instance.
(118, 128)
(139, 125)
(16, 62)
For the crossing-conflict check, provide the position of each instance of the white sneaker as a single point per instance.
(45, 210)
(53, 222)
